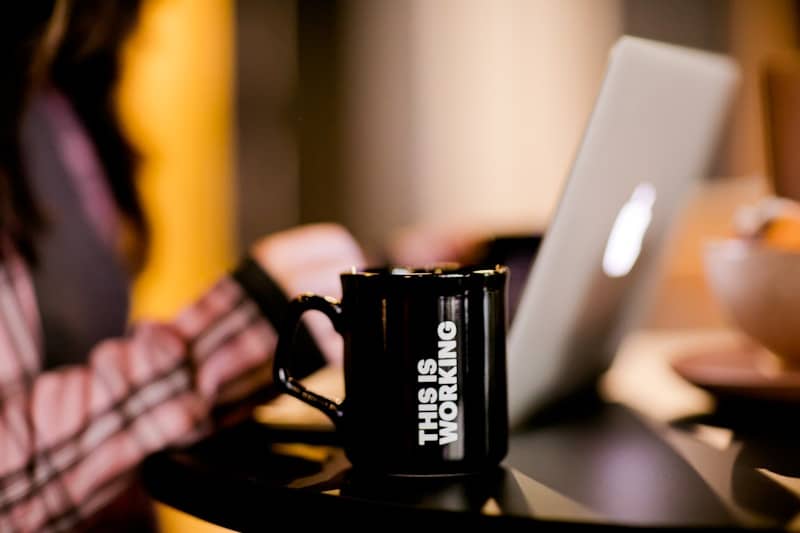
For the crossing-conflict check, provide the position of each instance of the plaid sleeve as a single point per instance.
(71, 438)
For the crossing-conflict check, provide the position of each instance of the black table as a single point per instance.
(586, 465)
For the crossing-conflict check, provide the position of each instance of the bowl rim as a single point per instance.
(741, 246)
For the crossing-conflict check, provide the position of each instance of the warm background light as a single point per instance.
(466, 112)
(176, 100)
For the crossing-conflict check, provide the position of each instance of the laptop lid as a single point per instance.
(651, 135)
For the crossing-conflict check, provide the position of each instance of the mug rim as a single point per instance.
(437, 271)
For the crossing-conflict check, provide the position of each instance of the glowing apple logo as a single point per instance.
(625, 241)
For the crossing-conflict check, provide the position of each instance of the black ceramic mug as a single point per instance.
(424, 368)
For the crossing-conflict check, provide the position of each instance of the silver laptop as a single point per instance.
(651, 136)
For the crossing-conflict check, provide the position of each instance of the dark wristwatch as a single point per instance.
(273, 304)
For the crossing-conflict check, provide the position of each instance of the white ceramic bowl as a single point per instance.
(759, 287)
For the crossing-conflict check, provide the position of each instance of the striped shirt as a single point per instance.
(71, 438)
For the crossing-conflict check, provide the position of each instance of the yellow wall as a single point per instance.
(176, 102)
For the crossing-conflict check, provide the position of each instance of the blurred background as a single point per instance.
(257, 115)
(381, 114)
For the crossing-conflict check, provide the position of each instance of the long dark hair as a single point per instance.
(85, 67)
(22, 33)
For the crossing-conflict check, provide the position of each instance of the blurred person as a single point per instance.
(82, 401)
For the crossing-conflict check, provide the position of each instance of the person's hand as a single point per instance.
(310, 259)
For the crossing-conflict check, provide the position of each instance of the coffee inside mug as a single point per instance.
(424, 367)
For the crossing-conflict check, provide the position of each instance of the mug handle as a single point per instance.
(285, 351)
